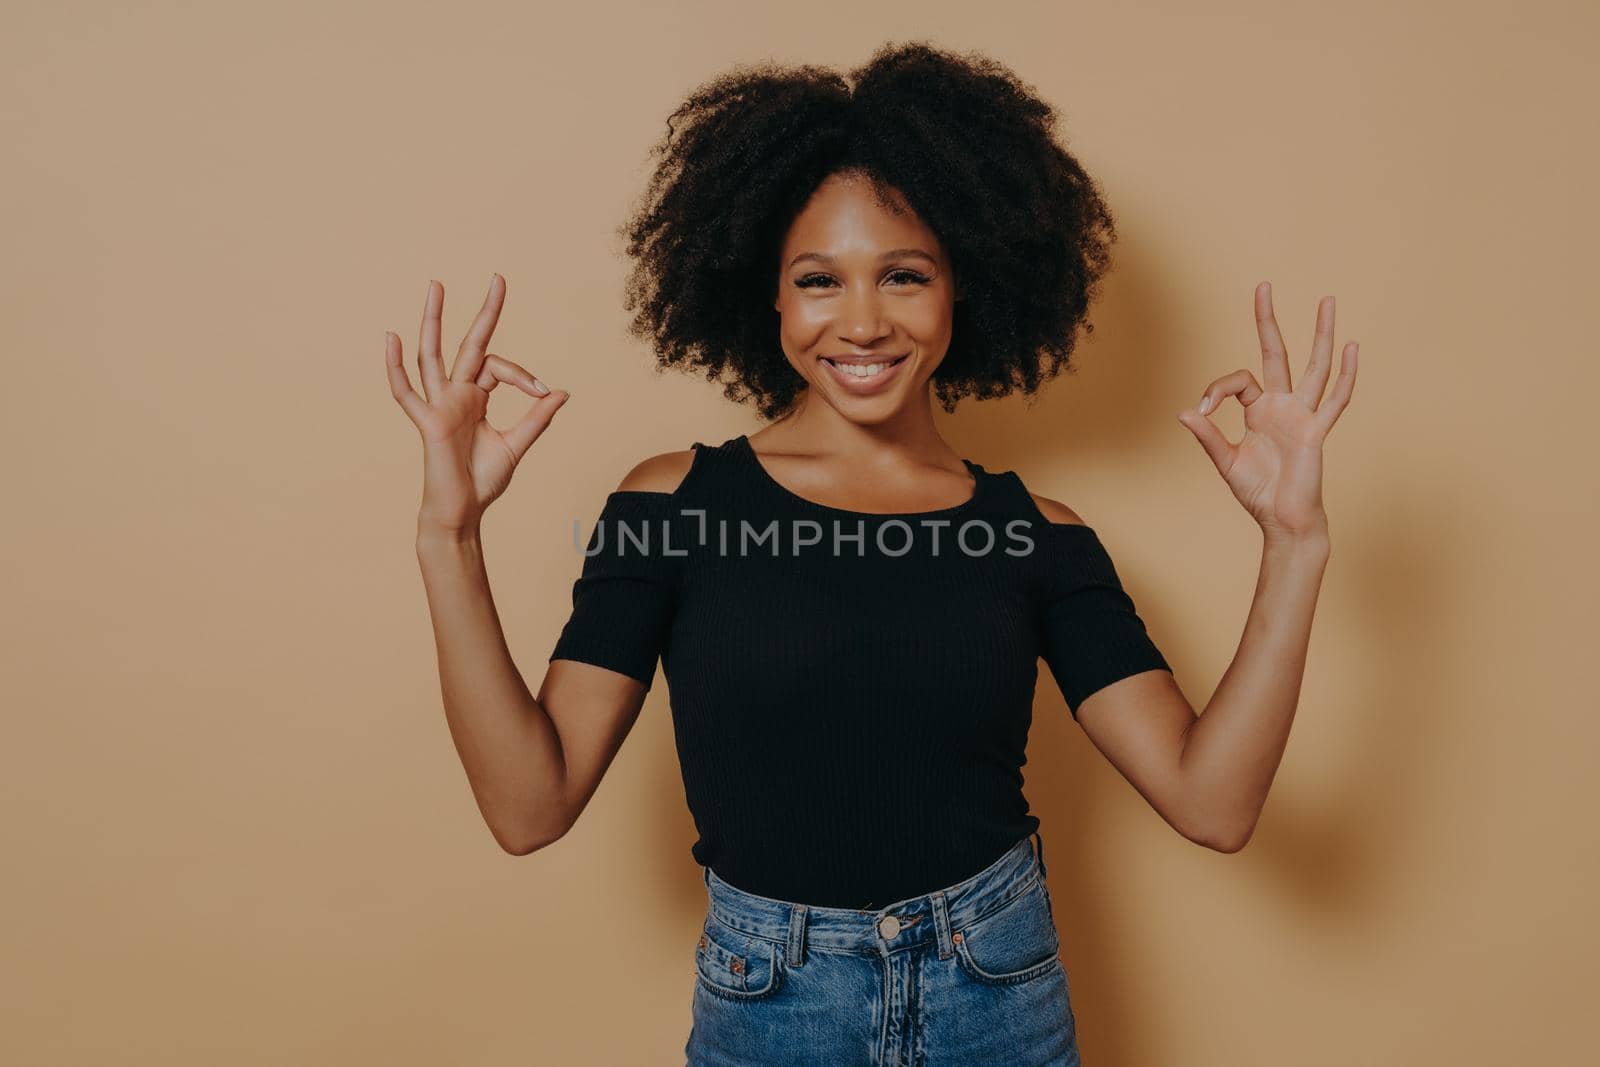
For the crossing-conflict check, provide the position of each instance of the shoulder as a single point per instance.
(1055, 511)
(658, 474)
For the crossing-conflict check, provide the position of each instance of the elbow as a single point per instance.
(527, 839)
(1220, 834)
(1228, 844)
(1227, 839)
(525, 844)
(520, 846)
(1222, 824)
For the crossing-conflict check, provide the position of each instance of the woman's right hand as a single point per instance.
(466, 462)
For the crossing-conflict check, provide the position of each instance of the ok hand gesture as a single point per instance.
(467, 463)
(1275, 470)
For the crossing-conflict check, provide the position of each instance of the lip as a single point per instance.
(863, 386)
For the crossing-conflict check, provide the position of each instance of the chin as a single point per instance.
(868, 410)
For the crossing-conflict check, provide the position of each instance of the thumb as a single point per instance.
(1213, 440)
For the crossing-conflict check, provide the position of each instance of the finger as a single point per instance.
(1274, 360)
(1240, 383)
(1321, 362)
(1211, 438)
(1343, 387)
(520, 438)
(469, 357)
(499, 369)
(430, 364)
(399, 384)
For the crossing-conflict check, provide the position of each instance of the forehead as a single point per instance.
(845, 216)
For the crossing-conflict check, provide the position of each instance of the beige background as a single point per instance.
(235, 830)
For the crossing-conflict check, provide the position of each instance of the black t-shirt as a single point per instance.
(851, 692)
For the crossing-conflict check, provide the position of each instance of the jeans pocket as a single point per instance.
(734, 965)
(1014, 943)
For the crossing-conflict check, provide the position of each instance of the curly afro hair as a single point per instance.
(967, 145)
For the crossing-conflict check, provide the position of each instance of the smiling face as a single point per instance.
(866, 298)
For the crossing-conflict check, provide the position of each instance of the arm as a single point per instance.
(1230, 754)
(1139, 724)
(534, 763)
(509, 742)
(1208, 775)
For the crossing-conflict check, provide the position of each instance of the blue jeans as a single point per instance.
(966, 975)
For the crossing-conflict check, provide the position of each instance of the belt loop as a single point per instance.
(941, 924)
(797, 935)
(1039, 838)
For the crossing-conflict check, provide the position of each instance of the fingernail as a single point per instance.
(1205, 404)
(540, 388)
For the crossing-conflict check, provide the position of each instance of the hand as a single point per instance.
(1276, 468)
(467, 463)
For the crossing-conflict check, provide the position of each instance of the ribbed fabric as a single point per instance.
(851, 725)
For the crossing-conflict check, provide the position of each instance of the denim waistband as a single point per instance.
(903, 925)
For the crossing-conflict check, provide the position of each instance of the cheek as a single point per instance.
(803, 321)
(927, 318)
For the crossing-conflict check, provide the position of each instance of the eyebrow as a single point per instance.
(822, 257)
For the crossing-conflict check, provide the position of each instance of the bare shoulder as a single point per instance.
(659, 474)
(1056, 511)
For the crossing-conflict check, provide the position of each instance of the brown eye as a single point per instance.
(909, 277)
(813, 281)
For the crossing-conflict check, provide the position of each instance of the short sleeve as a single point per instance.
(1093, 635)
(624, 600)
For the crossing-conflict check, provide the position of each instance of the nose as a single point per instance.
(861, 320)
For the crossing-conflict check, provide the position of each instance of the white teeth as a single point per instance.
(868, 370)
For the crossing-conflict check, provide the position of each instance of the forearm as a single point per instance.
(1232, 751)
(508, 745)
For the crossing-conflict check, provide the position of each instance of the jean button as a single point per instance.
(888, 926)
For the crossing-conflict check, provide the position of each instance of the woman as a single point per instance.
(848, 613)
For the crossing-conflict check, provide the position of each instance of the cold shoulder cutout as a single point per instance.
(659, 474)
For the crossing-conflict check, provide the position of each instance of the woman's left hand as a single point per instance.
(1276, 468)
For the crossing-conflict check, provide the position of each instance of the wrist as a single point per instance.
(434, 534)
(1300, 544)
